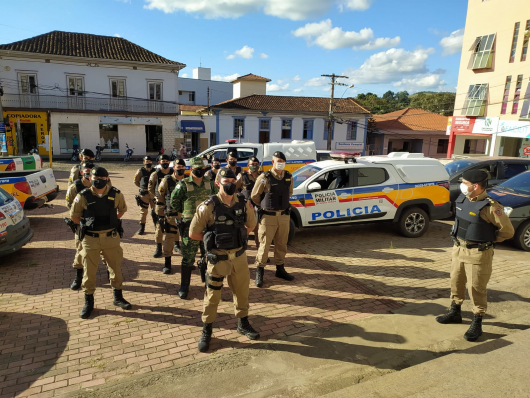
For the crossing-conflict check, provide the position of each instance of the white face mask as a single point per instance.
(465, 190)
(279, 166)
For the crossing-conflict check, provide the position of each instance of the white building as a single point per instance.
(254, 116)
(91, 90)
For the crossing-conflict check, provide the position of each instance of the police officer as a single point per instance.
(77, 186)
(216, 165)
(86, 155)
(143, 199)
(187, 195)
(480, 223)
(227, 218)
(272, 191)
(98, 210)
(248, 178)
(152, 187)
(165, 189)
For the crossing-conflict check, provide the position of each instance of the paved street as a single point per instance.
(342, 274)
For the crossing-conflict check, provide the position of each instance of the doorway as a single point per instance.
(264, 137)
(195, 143)
(29, 137)
(153, 139)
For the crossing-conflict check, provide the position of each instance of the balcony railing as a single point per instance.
(75, 103)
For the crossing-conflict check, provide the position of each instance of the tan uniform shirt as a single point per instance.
(162, 190)
(151, 187)
(75, 173)
(204, 216)
(494, 214)
(262, 185)
(71, 193)
(80, 203)
(138, 177)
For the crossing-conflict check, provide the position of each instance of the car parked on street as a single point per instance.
(15, 231)
(405, 188)
(499, 169)
(514, 195)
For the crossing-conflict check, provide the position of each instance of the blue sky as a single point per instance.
(380, 45)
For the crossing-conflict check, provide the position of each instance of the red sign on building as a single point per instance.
(463, 124)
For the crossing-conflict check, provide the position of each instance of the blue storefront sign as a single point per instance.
(2, 127)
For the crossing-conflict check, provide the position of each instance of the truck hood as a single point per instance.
(509, 199)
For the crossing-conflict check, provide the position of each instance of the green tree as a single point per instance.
(389, 96)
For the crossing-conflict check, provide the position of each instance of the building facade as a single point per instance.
(492, 109)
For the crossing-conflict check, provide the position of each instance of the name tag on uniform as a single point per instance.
(287, 179)
(111, 198)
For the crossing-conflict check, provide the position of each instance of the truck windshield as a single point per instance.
(5, 197)
(302, 174)
(519, 184)
(456, 167)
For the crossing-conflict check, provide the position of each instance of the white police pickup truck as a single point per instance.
(15, 231)
(405, 188)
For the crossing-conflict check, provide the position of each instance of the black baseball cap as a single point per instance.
(99, 172)
(475, 176)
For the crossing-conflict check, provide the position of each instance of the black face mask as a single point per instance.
(165, 166)
(148, 165)
(216, 166)
(98, 184)
(229, 188)
(180, 172)
(198, 173)
(233, 163)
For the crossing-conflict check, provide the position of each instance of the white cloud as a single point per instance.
(117, 35)
(452, 44)
(421, 83)
(246, 52)
(316, 82)
(228, 78)
(296, 78)
(297, 90)
(289, 9)
(326, 36)
(277, 87)
(184, 75)
(264, 56)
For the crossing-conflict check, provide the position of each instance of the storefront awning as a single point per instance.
(192, 126)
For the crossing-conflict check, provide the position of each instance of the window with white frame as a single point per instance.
(475, 103)
(482, 56)
(155, 91)
(76, 86)
(308, 130)
(287, 126)
(28, 83)
(239, 127)
(118, 88)
(351, 133)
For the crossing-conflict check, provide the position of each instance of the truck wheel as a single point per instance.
(413, 223)
(522, 237)
(292, 230)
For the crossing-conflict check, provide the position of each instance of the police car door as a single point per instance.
(332, 202)
(374, 194)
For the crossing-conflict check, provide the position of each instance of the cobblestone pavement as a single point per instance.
(47, 350)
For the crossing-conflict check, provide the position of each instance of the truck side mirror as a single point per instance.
(314, 186)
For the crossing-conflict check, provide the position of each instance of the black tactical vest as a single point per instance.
(228, 230)
(171, 184)
(101, 213)
(211, 174)
(248, 184)
(79, 186)
(159, 178)
(237, 171)
(278, 196)
(144, 179)
(469, 226)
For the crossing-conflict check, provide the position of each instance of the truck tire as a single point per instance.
(413, 222)
(292, 230)
(522, 237)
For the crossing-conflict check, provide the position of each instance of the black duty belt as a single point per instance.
(160, 203)
(273, 213)
(215, 258)
(143, 192)
(114, 232)
(480, 246)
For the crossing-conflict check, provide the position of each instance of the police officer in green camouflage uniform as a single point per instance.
(188, 194)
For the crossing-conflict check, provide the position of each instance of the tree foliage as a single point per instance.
(442, 103)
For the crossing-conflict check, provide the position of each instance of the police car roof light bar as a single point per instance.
(231, 141)
(348, 157)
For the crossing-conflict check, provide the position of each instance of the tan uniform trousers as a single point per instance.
(474, 268)
(112, 252)
(277, 228)
(146, 199)
(78, 259)
(171, 237)
(238, 277)
(159, 234)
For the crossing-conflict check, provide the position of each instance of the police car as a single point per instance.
(402, 187)
(14, 225)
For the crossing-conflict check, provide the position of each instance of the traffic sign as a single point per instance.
(526, 150)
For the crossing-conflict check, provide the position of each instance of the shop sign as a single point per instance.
(40, 119)
(526, 151)
(2, 127)
(516, 129)
(350, 146)
(449, 124)
(463, 124)
(486, 125)
(129, 120)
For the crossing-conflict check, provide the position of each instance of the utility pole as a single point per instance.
(330, 115)
(208, 99)
(3, 133)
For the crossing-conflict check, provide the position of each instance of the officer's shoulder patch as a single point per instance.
(498, 211)
(76, 200)
(201, 208)
(178, 186)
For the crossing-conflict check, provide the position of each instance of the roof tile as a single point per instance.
(411, 119)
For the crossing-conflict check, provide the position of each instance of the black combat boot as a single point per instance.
(282, 273)
(454, 315)
(119, 301)
(259, 276)
(475, 330)
(185, 278)
(204, 341)
(141, 231)
(76, 284)
(154, 217)
(158, 251)
(176, 247)
(244, 328)
(88, 307)
(167, 266)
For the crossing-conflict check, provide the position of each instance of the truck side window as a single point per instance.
(336, 179)
(371, 176)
